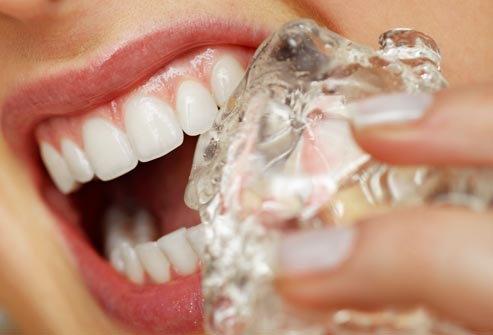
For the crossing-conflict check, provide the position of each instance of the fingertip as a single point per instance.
(437, 258)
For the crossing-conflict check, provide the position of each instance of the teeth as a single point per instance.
(196, 108)
(151, 126)
(144, 229)
(77, 161)
(108, 149)
(121, 228)
(116, 259)
(133, 268)
(181, 255)
(226, 75)
(196, 237)
(130, 251)
(178, 249)
(154, 261)
(57, 168)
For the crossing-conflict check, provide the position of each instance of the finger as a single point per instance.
(450, 127)
(442, 259)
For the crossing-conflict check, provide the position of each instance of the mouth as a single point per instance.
(117, 143)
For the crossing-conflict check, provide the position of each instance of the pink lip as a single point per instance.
(172, 309)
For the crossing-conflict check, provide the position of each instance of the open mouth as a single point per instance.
(116, 177)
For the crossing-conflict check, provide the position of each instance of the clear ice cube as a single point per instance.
(280, 156)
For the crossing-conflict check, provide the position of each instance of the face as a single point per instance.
(101, 103)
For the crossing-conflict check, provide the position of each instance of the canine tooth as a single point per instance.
(196, 107)
(107, 148)
(179, 252)
(196, 236)
(57, 168)
(226, 75)
(154, 261)
(133, 268)
(77, 161)
(151, 127)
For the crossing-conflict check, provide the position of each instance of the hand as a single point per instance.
(439, 258)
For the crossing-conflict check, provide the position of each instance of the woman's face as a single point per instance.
(94, 87)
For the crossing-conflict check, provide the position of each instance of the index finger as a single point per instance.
(451, 127)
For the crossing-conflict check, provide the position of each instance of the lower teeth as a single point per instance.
(133, 248)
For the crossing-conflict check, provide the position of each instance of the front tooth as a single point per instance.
(133, 268)
(108, 149)
(154, 261)
(196, 236)
(226, 75)
(151, 126)
(179, 251)
(196, 108)
(57, 168)
(77, 161)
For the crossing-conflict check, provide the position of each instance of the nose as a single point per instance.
(27, 9)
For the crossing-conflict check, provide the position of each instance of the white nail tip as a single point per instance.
(389, 109)
(151, 127)
(226, 75)
(107, 148)
(57, 168)
(154, 262)
(196, 108)
(179, 252)
(133, 267)
(77, 161)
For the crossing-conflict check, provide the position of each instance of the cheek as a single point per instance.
(26, 9)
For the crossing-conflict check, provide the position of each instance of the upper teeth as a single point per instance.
(131, 251)
(144, 125)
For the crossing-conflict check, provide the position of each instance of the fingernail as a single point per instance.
(315, 250)
(389, 109)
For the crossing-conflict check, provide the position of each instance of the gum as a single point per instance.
(196, 65)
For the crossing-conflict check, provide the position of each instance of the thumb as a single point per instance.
(438, 258)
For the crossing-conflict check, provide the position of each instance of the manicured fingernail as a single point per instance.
(315, 250)
(389, 109)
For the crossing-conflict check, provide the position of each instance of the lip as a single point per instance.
(114, 72)
(104, 78)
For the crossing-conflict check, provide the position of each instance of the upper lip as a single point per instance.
(109, 75)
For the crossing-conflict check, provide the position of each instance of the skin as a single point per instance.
(39, 278)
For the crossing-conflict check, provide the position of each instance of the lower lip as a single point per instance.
(173, 308)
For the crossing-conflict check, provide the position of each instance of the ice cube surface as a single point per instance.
(280, 157)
